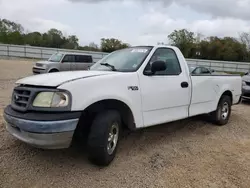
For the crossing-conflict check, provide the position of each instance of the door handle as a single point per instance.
(184, 84)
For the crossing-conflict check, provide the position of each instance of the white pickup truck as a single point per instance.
(133, 88)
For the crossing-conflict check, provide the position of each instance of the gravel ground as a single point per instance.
(188, 153)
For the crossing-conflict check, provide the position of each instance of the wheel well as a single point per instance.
(228, 93)
(90, 112)
(54, 70)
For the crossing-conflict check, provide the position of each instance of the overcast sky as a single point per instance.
(138, 22)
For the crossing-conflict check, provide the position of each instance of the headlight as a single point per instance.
(244, 83)
(51, 99)
(41, 65)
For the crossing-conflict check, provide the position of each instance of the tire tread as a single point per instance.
(214, 115)
(98, 137)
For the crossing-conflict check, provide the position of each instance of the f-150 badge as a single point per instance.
(133, 88)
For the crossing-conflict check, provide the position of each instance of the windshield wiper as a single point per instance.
(108, 65)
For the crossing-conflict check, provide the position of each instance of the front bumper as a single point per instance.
(50, 134)
(246, 93)
(44, 141)
(37, 70)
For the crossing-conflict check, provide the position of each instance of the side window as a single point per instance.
(84, 59)
(197, 71)
(201, 70)
(69, 58)
(205, 71)
(169, 57)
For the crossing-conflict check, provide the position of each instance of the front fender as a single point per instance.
(86, 92)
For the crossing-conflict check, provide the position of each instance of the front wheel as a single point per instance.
(53, 70)
(104, 137)
(222, 114)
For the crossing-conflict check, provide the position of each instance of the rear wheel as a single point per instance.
(222, 114)
(104, 137)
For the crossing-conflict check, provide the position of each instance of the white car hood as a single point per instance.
(59, 78)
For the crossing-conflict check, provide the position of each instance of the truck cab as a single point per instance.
(132, 88)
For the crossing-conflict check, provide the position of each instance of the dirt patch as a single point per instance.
(188, 153)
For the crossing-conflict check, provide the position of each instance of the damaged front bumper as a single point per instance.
(42, 130)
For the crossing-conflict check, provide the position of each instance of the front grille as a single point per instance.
(21, 98)
(39, 64)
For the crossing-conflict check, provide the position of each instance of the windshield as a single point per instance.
(56, 57)
(125, 60)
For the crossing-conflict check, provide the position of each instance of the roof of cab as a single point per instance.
(74, 53)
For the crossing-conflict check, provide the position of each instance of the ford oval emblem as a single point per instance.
(16, 97)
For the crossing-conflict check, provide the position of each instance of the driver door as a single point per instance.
(166, 94)
(67, 63)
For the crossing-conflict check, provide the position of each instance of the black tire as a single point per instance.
(98, 151)
(217, 116)
(53, 70)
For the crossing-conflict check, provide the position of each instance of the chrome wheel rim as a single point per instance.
(113, 138)
(225, 111)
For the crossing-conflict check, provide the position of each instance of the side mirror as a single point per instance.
(246, 73)
(155, 67)
(158, 66)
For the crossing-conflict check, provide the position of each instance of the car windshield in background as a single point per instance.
(125, 60)
(56, 57)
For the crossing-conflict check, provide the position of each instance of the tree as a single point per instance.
(184, 40)
(91, 47)
(11, 32)
(33, 39)
(55, 38)
(45, 40)
(15, 38)
(71, 42)
(245, 39)
(110, 45)
(227, 48)
(3, 32)
(10, 26)
(203, 49)
(233, 50)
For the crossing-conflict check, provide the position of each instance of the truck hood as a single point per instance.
(43, 62)
(59, 78)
